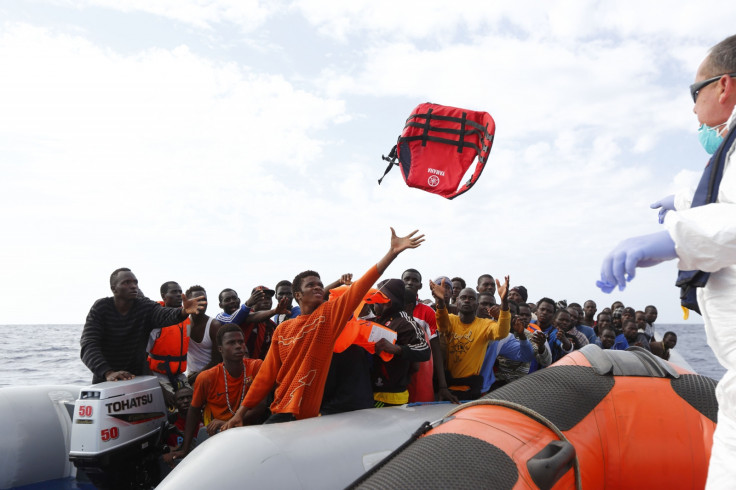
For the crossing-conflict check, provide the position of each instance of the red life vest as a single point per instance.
(438, 146)
(169, 352)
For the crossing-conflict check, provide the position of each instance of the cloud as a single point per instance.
(113, 155)
(203, 14)
(229, 170)
(567, 20)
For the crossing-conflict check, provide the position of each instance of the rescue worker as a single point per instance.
(701, 233)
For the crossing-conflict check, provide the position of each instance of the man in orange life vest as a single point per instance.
(301, 351)
(168, 346)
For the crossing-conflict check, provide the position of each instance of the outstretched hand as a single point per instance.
(438, 290)
(399, 244)
(518, 327)
(620, 265)
(665, 204)
(284, 306)
(255, 297)
(539, 339)
(503, 289)
(192, 306)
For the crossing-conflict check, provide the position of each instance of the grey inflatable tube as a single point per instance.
(320, 453)
(34, 435)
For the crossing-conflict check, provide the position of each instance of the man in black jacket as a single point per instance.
(391, 379)
(117, 329)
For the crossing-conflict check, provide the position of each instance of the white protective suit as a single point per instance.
(705, 239)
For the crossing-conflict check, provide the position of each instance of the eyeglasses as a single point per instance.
(695, 88)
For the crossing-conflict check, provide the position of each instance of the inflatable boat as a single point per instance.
(595, 419)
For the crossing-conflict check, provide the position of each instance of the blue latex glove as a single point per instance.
(640, 251)
(665, 204)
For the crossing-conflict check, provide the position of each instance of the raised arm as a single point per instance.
(283, 307)
(345, 305)
(503, 292)
(345, 280)
(438, 291)
(504, 318)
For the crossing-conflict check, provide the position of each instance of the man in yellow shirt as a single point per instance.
(468, 337)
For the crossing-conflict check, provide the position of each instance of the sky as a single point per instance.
(234, 143)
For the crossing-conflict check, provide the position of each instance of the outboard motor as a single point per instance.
(117, 433)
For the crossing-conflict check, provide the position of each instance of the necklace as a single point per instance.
(227, 392)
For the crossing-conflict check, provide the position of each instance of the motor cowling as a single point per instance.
(117, 432)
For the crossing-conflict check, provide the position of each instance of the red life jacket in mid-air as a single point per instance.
(438, 145)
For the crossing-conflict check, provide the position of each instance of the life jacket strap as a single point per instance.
(159, 357)
(392, 160)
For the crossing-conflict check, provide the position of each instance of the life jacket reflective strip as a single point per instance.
(168, 354)
(438, 146)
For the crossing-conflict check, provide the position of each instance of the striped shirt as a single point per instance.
(111, 341)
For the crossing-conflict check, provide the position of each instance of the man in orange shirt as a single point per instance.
(221, 389)
(301, 349)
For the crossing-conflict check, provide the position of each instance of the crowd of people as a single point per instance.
(257, 362)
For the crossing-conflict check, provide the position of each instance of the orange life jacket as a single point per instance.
(358, 331)
(169, 352)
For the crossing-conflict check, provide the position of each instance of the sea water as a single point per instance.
(49, 354)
